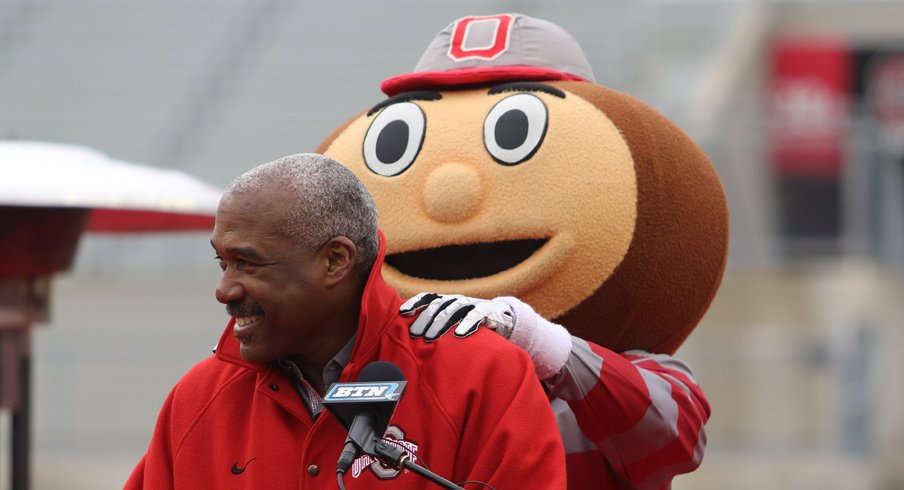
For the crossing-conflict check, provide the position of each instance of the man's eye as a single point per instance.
(243, 264)
(237, 264)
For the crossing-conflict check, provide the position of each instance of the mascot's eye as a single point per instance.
(514, 128)
(394, 139)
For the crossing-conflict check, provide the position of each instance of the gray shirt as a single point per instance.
(331, 374)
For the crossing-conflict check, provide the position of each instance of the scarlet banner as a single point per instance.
(809, 92)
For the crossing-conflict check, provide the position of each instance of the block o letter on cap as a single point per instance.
(480, 37)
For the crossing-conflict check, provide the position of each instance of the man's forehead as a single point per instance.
(250, 239)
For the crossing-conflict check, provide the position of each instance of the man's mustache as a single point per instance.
(238, 309)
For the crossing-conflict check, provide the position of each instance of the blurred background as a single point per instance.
(800, 104)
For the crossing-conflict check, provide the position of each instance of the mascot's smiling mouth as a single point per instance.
(471, 261)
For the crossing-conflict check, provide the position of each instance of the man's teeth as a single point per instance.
(246, 320)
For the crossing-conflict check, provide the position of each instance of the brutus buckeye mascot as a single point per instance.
(502, 170)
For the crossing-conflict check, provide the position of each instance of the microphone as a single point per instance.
(365, 407)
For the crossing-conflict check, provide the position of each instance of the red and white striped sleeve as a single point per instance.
(643, 413)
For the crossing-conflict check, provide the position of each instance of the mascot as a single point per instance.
(502, 170)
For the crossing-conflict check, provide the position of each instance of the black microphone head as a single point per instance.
(381, 371)
(377, 390)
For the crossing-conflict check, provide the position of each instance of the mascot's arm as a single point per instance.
(644, 412)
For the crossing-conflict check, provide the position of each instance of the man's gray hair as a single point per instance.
(329, 201)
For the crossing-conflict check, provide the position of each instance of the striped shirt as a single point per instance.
(629, 420)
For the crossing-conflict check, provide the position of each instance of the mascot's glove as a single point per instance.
(438, 314)
(548, 344)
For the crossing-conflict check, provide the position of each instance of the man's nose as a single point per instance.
(228, 289)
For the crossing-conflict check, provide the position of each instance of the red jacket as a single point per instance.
(471, 411)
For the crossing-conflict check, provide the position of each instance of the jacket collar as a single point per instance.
(379, 305)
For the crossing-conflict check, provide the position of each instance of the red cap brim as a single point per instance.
(470, 76)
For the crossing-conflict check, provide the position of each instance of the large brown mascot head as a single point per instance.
(500, 168)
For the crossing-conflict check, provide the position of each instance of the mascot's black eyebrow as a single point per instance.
(526, 87)
(405, 97)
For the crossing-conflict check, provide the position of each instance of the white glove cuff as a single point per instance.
(548, 343)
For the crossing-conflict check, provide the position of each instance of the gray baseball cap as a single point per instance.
(495, 48)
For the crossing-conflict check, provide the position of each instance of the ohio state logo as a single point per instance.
(381, 471)
(480, 37)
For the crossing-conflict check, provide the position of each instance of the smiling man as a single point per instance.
(301, 256)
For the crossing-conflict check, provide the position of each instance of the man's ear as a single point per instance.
(340, 254)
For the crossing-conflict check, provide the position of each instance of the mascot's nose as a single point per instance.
(452, 193)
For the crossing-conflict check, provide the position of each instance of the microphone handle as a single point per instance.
(349, 453)
(360, 438)
(361, 432)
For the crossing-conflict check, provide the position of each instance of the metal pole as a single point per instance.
(21, 420)
(22, 302)
(15, 395)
